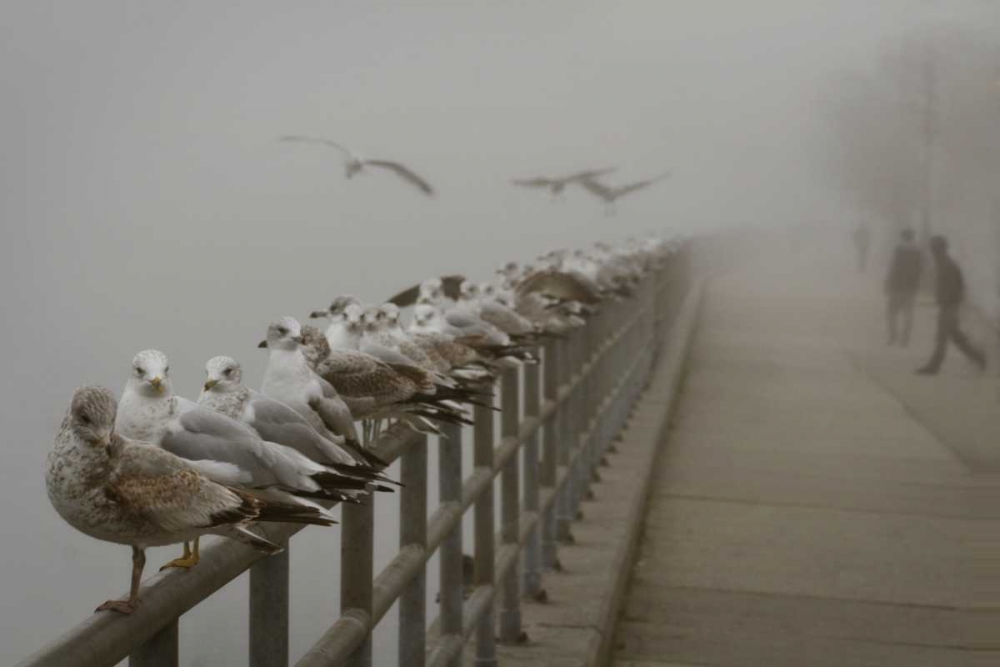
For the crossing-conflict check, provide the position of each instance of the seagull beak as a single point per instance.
(209, 384)
(262, 344)
(157, 383)
(319, 314)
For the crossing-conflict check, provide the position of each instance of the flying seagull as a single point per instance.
(354, 163)
(610, 194)
(556, 184)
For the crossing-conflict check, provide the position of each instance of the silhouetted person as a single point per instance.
(901, 285)
(862, 242)
(950, 291)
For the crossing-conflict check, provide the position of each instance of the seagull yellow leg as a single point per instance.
(188, 560)
(129, 605)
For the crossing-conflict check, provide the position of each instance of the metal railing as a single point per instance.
(575, 401)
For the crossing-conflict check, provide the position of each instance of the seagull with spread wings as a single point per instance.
(556, 184)
(354, 163)
(610, 194)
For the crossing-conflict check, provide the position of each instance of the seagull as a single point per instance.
(610, 194)
(127, 492)
(388, 344)
(221, 448)
(344, 330)
(374, 389)
(289, 379)
(355, 163)
(556, 184)
(276, 422)
(491, 311)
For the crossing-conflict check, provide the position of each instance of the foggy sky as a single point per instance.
(147, 203)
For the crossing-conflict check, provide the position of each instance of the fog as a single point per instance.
(148, 203)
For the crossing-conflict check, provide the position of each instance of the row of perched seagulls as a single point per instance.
(154, 468)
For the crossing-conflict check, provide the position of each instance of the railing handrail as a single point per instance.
(590, 379)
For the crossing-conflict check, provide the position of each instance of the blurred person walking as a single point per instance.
(901, 285)
(950, 292)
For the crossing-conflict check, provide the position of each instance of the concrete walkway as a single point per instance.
(816, 504)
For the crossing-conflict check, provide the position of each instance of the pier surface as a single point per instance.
(813, 502)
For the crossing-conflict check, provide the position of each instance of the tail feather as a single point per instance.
(362, 455)
(281, 512)
(331, 481)
(257, 542)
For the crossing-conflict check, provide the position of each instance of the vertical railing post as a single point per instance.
(532, 470)
(161, 650)
(269, 611)
(486, 653)
(593, 400)
(413, 531)
(356, 576)
(565, 431)
(450, 492)
(550, 452)
(510, 509)
(577, 422)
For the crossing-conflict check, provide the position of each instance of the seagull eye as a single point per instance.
(85, 419)
(282, 330)
(139, 370)
(166, 371)
(228, 371)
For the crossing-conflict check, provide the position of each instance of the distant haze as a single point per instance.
(147, 201)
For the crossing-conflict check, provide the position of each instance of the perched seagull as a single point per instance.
(429, 319)
(222, 449)
(374, 389)
(127, 492)
(399, 350)
(276, 422)
(491, 311)
(556, 184)
(290, 380)
(611, 194)
(344, 330)
(355, 163)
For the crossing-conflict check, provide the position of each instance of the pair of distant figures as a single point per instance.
(901, 285)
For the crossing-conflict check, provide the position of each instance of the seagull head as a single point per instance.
(283, 334)
(424, 315)
(354, 318)
(432, 290)
(314, 344)
(488, 289)
(92, 415)
(341, 303)
(372, 320)
(352, 166)
(469, 290)
(151, 373)
(390, 312)
(222, 374)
